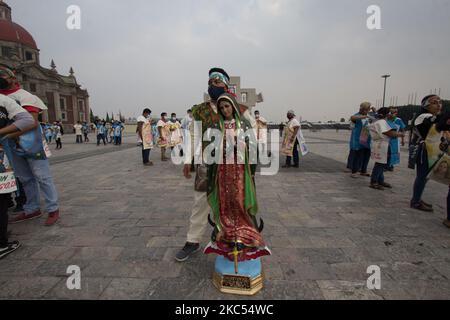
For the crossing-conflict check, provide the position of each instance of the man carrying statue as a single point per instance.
(225, 186)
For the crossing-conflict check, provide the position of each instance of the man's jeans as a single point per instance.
(101, 137)
(378, 173)
(79, 138)
(295, 154)
(421, 178)
(145, 155)
(35, 175)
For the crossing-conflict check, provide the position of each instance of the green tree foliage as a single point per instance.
(91, 116)
(409, 112)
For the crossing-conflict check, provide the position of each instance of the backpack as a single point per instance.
(415, 140)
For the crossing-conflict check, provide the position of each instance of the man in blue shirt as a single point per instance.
(360, 141)
(85, 130)
(101, 132)
(118, 129)
(396, 123)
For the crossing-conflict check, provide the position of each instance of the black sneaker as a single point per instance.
(12, 246)
(187, 251)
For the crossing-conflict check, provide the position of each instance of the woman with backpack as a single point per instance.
(425, 135)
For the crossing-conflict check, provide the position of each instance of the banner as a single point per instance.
(147, 136)
(7, 183)
(441, 170)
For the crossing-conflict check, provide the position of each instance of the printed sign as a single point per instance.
(7, 182)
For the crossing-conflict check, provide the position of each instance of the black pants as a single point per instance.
(421, 177)
(21, 199)
(79, 138)
(145, 155)
(86, 139)
(295, 154)
(101, 137)
(4, 219)
(58, 143)
(360, 160)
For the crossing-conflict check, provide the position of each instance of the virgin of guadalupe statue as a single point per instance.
(232, 194)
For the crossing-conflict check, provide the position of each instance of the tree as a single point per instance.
(91, 117)
(409, 112)
(107, 117)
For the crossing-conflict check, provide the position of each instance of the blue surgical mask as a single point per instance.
(215, 92)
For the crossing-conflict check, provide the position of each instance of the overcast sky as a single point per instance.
(316, 57)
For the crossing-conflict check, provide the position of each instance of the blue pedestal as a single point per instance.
(248, 281)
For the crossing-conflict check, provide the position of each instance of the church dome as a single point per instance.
(11, 31)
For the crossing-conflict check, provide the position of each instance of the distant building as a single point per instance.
(247, 97)
(64, 97)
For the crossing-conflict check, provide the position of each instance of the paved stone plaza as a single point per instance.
(122, 223)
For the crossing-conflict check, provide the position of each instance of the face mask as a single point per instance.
(148, 117)
(3, 84)
(215, 92)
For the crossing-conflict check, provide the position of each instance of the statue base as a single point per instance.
(248, 281)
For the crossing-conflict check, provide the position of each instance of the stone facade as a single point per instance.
(64, 97)
(245, 96)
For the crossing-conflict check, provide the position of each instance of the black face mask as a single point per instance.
(3, 84)
(215, 92)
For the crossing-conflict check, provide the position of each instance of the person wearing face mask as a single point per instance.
(164, 135)
(207, 114)
(291, 141)
(428, 138)
(186, 122)
(360, 141)
(32, 168)
(13, 120)
(176, 137)
(144, 130)
(397, 123)
(261, 132)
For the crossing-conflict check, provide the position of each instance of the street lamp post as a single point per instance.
(385, 80)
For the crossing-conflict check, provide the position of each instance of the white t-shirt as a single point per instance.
(380, 141)
(24, 98)
(11, 106)
(293, 123)
(143, 119)
(78, 128)
(57, 131)
(186, 122)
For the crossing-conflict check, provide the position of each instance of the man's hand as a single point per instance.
(187, 171)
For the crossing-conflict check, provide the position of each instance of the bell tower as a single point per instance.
(5, 11)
